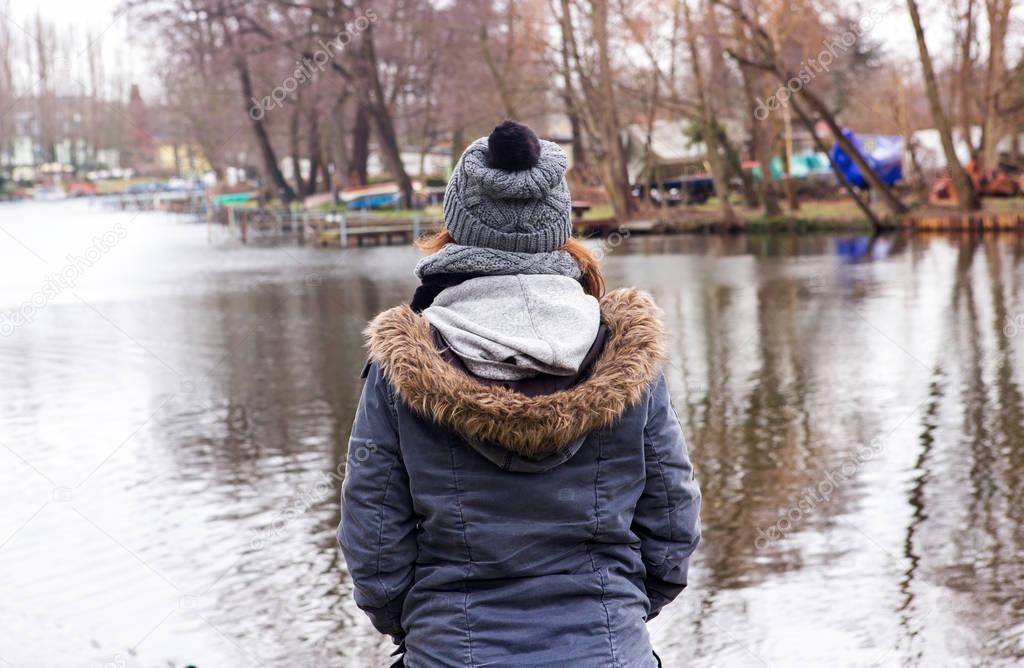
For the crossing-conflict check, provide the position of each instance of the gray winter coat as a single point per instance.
(487, 527)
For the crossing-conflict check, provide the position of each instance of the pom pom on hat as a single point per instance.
(512, 147)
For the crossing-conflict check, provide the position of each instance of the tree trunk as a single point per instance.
(768, 192)
(458, 144)
(360, 153)
(339, 148)
(711, 34)
(616, 177)
(569, 97)
(315, 154)
(293, 135)
(791, 194)
(965, 78)
(735, 165)
(387, 138)
(758, 139)
(45, 106)
(718, 171)
(762, 140)
(270, 166)
(579, 156)
(998, 19)
(598, 110)
(966, 196)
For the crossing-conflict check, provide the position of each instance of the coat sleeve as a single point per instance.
(667, 514)
(378, 526)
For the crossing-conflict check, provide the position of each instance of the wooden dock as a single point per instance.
(194, 202)
(348, 229)
(326, 229)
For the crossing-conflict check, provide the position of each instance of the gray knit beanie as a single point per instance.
(508, 192)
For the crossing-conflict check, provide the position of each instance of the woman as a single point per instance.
(518, 491)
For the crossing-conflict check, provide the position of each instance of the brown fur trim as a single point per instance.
(400, 342)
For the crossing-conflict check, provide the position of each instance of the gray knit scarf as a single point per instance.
(456, 259)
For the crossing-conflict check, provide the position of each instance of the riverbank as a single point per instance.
(177, 410)
(331, 226)
(334, 225)
(842, 215)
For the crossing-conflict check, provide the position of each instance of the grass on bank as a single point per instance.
(599, 212)
(845, 210)
(822, 215)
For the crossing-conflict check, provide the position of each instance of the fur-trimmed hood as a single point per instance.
(400, 342)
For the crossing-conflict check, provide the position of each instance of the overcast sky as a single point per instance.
(99, 15)
(93, 15)
(89, 18)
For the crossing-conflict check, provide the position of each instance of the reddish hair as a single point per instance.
(592, 279)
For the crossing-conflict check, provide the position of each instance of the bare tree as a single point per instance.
(998, 14)
(502, 73)
(765, 56)
(760, 135)
(965, 34)
(7, 112)
(599, 107)
(708, 125)
(966, 195)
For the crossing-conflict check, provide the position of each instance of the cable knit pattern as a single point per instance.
(456, 259)
(526, 211)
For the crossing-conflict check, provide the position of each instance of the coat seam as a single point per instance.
(380, 544)
(604, 604)
(648, 442)
(469, 552)
(391, 401)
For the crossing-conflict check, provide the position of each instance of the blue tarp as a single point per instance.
(883, 153)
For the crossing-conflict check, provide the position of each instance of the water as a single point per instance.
(174, 413)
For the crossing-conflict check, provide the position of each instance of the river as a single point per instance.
(175, 409)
